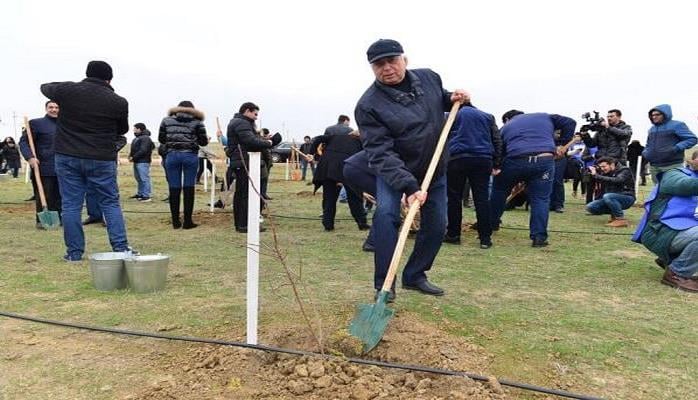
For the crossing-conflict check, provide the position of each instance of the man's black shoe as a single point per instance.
(368, 247)
(33, 198)
(135, 196)
(485, 246)
(558, 210)
(451, 239)
(329, 229)
(91, 221)
(425, 287)
(265, 197)
(391, 295)
(364, 227)
(539, 243)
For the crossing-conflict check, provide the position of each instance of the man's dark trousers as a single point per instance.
(330, 193)
(475, 170)
(387, 221)
(557, 199)
(538, 173)
(51, 191)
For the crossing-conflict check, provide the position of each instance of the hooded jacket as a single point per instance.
(612, 141)
(44, 135)
(400, 130)
(667, 141)
(93, 119)
(183, 130)
(142, 148)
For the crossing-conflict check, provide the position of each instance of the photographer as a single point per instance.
(618, 188)
(612, 135)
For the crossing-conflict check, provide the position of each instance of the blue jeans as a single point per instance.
(557, 198)
(141, 171)
(611, 203)
(386, 222)
(180, 163)
(685, 244)
(75, 176)
(91, 201)
(538, 175)
(304, 167)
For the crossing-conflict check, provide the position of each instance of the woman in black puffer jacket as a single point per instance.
(181, 133)
(11, 154)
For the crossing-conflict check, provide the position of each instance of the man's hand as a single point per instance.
(219, 133)
(592, 170)
(308, 158)
(130, 159)
(419, 196)
(604, 123)
(496, 171)
(33, 162)
(560, 151)
(460, 95)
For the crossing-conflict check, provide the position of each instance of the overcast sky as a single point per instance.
(304, 62)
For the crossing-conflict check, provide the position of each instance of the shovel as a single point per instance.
(371, 320)
(47, 219)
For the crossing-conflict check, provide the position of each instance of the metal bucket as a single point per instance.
(107, 270)
(147, 273)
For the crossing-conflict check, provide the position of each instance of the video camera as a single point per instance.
(593, 122)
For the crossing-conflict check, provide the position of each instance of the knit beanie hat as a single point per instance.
(100, 70)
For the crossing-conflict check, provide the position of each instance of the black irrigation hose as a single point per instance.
(518, 228)
(416, 368)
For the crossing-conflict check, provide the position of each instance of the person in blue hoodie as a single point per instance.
(667, 140)
(43, 133)
(669, 228)
(475, 150)
(529, 152)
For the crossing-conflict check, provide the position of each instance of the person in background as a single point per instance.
(635, 150)
(182, 132)
(44, 135)
(141, 152)
(10, 152)
(667, 140)
(308, 160)
(90, 130)
(618, 188)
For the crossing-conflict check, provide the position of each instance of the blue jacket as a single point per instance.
(400, 130)
(531, 134)
(44, 135)
(475, 134)
(667, 141)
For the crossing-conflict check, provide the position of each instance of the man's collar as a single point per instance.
(399, 96)
(98, 82)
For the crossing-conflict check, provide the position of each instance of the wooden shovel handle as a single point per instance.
(405, 230)
(37, 175)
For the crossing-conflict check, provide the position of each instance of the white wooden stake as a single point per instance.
(213, 183)
(286, 172)
(27, 171)
(205, 167)
(253, 247)
(638, 178)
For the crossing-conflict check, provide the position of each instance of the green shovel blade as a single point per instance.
(370, 322)
(49, 219)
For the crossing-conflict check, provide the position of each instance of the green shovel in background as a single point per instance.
(48, 219)
(371, 320)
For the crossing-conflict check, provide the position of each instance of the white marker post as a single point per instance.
(213, 183)
(205, 167)
(27, 171)
(638, 178)
(286, 177)
(253, 247)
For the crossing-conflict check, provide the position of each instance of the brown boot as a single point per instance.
(618, 223)
(673, 280)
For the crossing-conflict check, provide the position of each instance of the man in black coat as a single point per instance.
(400, 117)
(328, 174)
(618, 188)
(44, 134)
(141, 152)
(340, 128)
(242, 138)
(91, 127)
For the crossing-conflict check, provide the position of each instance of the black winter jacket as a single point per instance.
(620, 181)
(93, 119)
(183, 130)
(241, 132)
(399, 130)
(142, 148)
(612, 141)
(11, 155)
(337, 129)
(338, 147)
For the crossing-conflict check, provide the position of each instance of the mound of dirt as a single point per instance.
(305, 193)
(234, 373)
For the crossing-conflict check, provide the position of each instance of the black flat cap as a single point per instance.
(383, 48)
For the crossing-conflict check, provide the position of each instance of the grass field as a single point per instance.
(586, 314)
